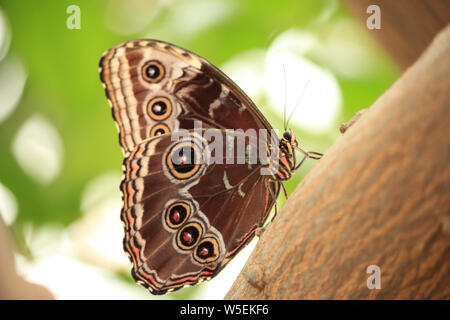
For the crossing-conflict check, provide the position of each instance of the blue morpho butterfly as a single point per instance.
(185, 220)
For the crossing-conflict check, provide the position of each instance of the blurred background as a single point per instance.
(60, 161)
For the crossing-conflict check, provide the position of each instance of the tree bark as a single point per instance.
(380, 196)
(407, 26)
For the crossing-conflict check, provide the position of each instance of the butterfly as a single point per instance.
(186, 217)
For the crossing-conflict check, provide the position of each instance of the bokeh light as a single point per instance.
(12, 82)
(8, 205)
(100, 205)
(5, 35)
(38, 148)
(288, 75)
(60, 162)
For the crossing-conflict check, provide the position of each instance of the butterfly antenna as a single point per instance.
(298, 101)
(284, 110)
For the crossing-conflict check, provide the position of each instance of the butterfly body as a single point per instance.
(186, 216)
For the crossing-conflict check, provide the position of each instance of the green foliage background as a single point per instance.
(63, 85)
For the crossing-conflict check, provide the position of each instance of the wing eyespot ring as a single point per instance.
(189, 235)
(159, 129)
(159, 108)
(183, 160)
(207, 250)
(153, 71)
(177, 214)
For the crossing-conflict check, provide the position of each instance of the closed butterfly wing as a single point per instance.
(154, 88)
(183, 222)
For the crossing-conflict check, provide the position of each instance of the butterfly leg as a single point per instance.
(276, 211)
(300, 163)
(311, 155)
(276, 203)
(260, 230)
(284, 191)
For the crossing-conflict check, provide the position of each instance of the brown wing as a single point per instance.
(140, 74)
(216, 206)
(154, 89)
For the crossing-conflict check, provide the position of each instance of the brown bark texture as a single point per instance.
(380, 196)
(407, 26)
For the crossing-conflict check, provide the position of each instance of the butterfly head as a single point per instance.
(288, 144)
(289, 138)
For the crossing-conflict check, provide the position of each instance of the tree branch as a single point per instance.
(407, 26)
(380, 196)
